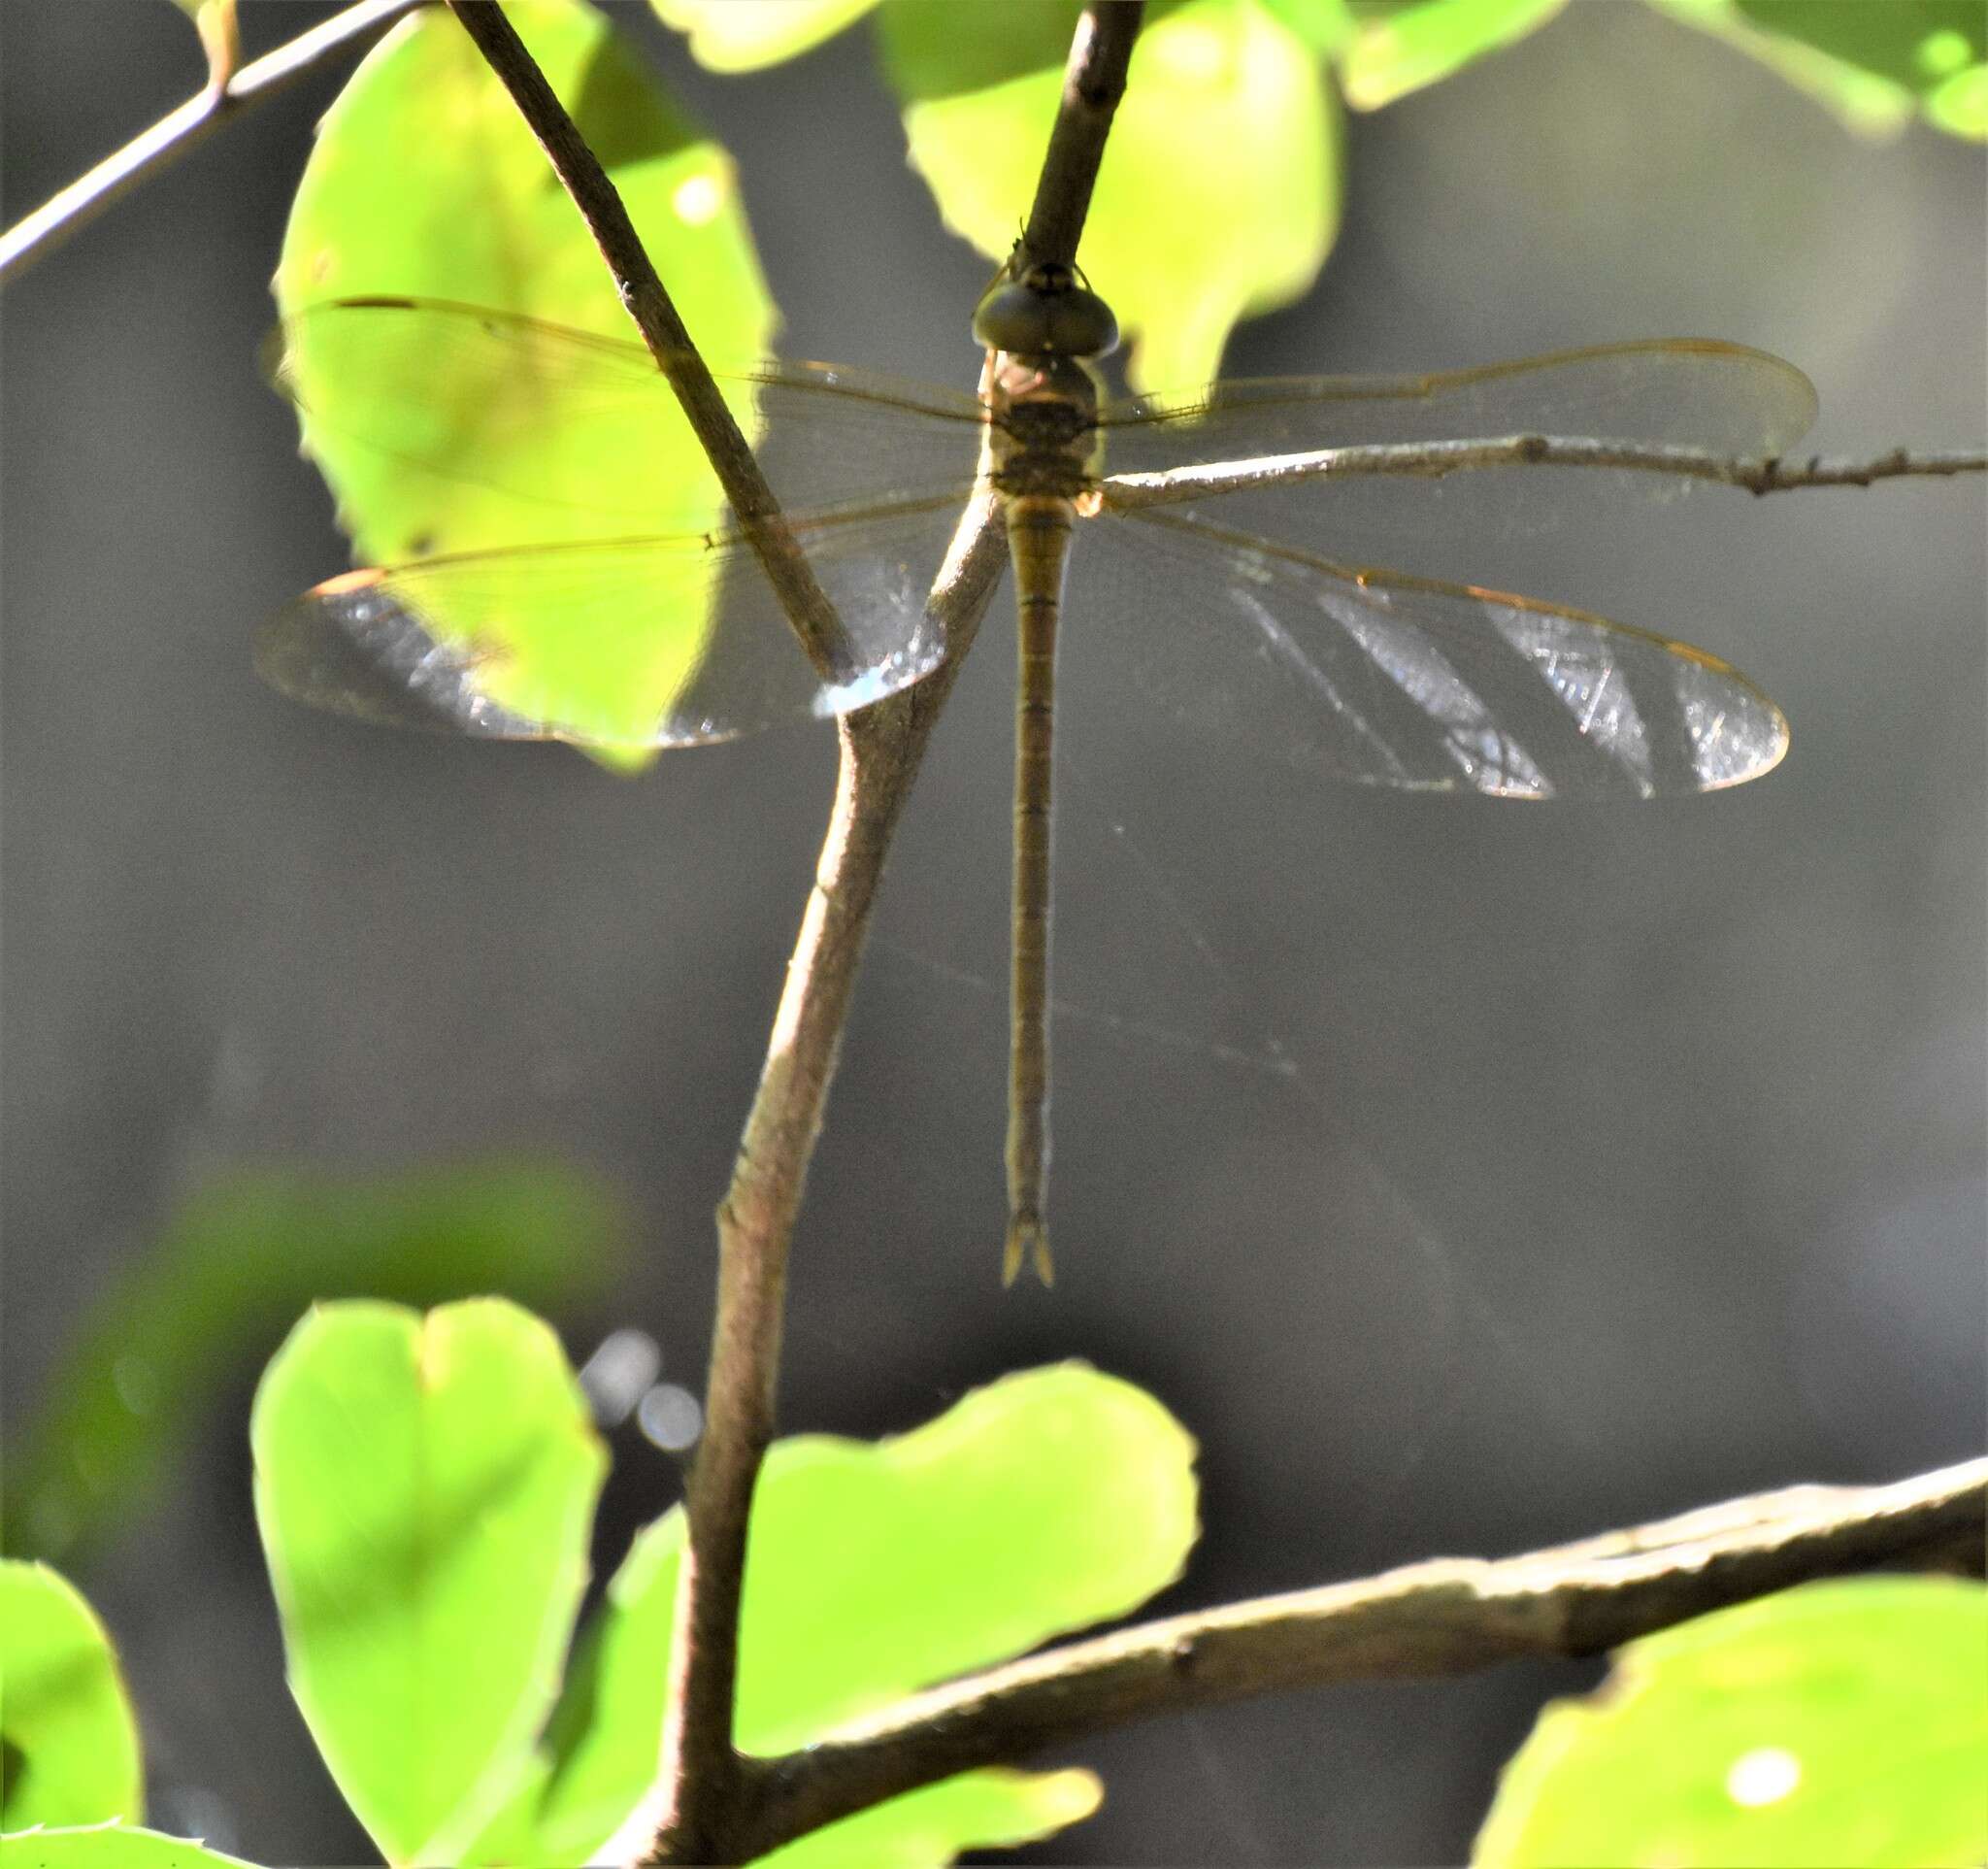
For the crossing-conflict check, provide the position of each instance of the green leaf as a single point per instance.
(425, 182)
(1324, 25)
(727, 37)
(424, 1488)
(67, 1736)
(1875, 62)
(1841, 1722)
(109, 1846)
(1048, 1501)
(240, 1260)
(996, 1808)
(1402, 45)
(1219, 193)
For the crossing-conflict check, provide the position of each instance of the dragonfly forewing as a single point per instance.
(639, 643)
(557, 557)
(512, 430)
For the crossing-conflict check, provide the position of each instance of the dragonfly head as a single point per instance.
(1045, 311)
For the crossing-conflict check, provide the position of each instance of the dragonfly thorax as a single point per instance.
(1046, 437)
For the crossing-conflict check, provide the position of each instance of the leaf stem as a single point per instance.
(37, 234)
(1449, 1617)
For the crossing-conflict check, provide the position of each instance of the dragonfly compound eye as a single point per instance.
(1045, 313)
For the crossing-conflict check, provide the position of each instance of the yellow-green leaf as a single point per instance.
(109, 1846)
(67, 1734)
(1049, 1500)
(1874, 62)
(991, 1810)
(425, 1489)
(729, 37)
(424, 183)
(1838, 1724)
(1405, 45)
(1219, 193)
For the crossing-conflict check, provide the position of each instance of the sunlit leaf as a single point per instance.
(1324, 25)
(1219, 193)
(1402, 45)
(240, 1260)
(425, 1489)
(109, 1846)
(1875, 62)
(1048, 1501)
(728, 37)
(1841, 1722)
(995, 1809)
(425, 182)
(67, 1736)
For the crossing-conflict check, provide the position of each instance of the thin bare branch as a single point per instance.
(1445, 1618)
(1431, 460)
(669, 341)
(37, 235)
(710, 1789)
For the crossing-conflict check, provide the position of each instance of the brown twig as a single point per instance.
(1445, 1618)
(37, 235)
(1093, 82)
(1431, 460)
(709, 1788)
(669, 342)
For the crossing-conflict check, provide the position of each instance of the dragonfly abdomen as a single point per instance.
(1039, 529)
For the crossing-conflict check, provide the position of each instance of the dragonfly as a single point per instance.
(1376, 676)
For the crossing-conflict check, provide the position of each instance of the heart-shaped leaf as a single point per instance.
(1049, 1500)
(426, 1488)
(67, 1736)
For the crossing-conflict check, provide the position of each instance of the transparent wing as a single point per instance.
(635, 643)
(1685, 391)
(535, 411)
(1488, 525)
(1391, 680)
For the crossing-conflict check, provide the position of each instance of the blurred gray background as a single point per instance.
(1466, 1176)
